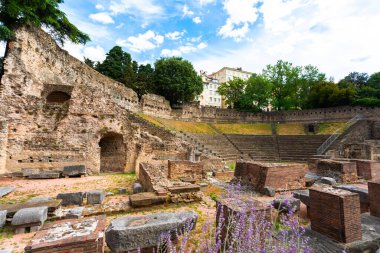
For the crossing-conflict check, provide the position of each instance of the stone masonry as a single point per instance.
(336, 213)
(185, 169)
(374, 198)
(55, 111)
(278, 176)
(341, 171)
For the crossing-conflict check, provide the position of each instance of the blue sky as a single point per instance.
(338, 36)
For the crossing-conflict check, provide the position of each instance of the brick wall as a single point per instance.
(374, 198)
(368, 169)
(336, 214)
(185, 169)
(341, 171)
(276, 175)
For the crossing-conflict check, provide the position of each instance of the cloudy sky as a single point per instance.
(338, 36)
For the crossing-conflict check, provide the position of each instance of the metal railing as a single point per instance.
(325, 145)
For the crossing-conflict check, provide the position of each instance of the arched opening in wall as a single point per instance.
(112, 153)
(57, 97)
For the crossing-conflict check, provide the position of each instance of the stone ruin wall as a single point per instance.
(38, 134)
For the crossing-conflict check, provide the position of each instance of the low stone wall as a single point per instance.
(278, 176)
(374, 198)
(185, 169)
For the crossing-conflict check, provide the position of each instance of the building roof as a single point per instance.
(233, 69)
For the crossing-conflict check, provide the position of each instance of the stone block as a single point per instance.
(26, 172)
(30, 217)
(74, 198)
(74, 170)
(75, 213)
(184, 188)
(129, 233)
(224, 175)
(341, 171)
(279, 176)
(327, 180)
(303, 196)
(3, 218)
(45, 175)
(374, 198)
(76, 235)
(122, 190)
(269, 191)
(40, 199)
(285, 204)
(95, 197)
(13, 208)
(336, 213)
(6, 190)
(363, 195)
(146, 199)
(137, 188)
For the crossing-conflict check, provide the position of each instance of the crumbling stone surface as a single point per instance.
(303, 196)
(76, 235)
(45, 175)
(6, 190)
(269, 191)
(74, 198)
(133, 232)
(368, 169)
(40, 199)
(27, 216)
(13, 208)
(276, 175)
(74, 170)
(3, 218)
(185, 169)
(95, 197)
(341, 171)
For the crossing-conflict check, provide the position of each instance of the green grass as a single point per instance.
(150, 119)
(330, 128)
(5, 233)
(247, 129)
(290, 129)
(188, 127)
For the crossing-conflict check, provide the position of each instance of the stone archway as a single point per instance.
(112, 153)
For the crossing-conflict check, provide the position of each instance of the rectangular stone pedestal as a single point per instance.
(368, 169)
(76, 235)
(335, 213)
(374, 198)
(341, 171)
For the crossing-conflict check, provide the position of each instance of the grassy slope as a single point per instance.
(248, 129)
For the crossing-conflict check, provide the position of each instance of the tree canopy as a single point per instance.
(176, 80)
(38, 13)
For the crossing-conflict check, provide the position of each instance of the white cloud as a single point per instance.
(205, 2)
(2, 49)
(175, 35)
(99, 7)
(95, 53)
(121, 25)
(189, 48)
(336, 36)
(197, 20)
(186, 11)
(142, 42)
(241, 13)
(102, 17)
(136, 7)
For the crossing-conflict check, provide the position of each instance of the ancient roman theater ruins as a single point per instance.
(76, 146)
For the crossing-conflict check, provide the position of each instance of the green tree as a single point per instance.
(15, 13)
(1, 66)
(369, 94)
(310, 77)
(117, 64)
(233, 92)
(89, 62)
(176, 80)
(257, 95)
(329, 94)
(354, 79)
(374, 80)
(145, 80)
(285, 79)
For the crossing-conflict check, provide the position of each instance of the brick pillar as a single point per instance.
(336, 214)
(374, 198)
